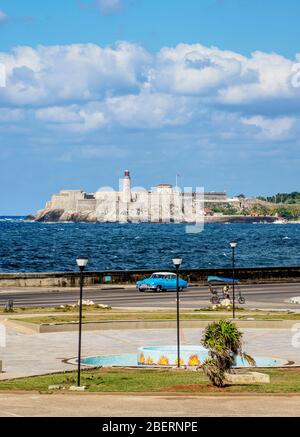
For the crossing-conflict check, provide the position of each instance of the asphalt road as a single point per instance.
(258, 296)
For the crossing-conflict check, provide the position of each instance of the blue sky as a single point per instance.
(205, 88)
(240, 25)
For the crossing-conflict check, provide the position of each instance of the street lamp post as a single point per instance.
(233, 245)
(177, 263)
(81, 263)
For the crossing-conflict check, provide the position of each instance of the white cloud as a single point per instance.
(73, 118)
(60, 75)
(274, 81)
(86, 88)
(80, 72)
(195, 69)
(59, 114)
(276, 129)
(144, 110)
(8, 115)
(3, 17)
(109, 7)
(147, 110)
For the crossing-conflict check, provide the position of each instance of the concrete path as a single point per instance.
(88, 405)
(32, 354)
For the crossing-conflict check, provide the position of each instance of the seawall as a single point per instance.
(255, 275)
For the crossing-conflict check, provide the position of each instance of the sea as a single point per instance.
(47, 247)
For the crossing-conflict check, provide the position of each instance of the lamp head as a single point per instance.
(233, 244)
(81, 262)
(177, 262)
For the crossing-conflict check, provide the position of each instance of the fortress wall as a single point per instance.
(86, 205)
(161, 204)
(214, 196)
(66, 200)
(140, 206)
(73, 196)
(58, 201)
(107, 196)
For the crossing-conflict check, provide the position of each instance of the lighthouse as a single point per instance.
(126, 188)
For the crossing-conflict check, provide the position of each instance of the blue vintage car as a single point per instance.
(162, 281)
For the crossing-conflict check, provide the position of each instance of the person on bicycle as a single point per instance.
(226, 289)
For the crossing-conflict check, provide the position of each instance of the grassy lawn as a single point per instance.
(111, 315)
(62, 309)
(121, 316)
(155, 380)
(69, 313)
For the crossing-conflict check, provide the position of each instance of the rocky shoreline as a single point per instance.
(59, 215)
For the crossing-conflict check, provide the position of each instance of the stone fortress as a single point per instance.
(163, 203)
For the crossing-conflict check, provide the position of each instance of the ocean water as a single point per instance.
(42, 247)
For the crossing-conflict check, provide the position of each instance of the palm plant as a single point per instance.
(224, 342)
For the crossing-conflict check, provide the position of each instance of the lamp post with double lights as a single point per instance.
(177, 263)
(233, 245)
(81, 263)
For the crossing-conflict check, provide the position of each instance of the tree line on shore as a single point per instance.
(283, 198)
(282, 205)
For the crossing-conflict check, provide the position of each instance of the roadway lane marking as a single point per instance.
(135, 296)
(91, 294)
(161, 298)
(250, 287)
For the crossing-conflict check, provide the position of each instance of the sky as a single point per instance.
(207, 89)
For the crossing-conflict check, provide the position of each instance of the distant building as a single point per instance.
(208, 212)
(162, 204)
(215, 197)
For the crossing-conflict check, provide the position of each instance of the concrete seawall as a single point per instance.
(257, 275)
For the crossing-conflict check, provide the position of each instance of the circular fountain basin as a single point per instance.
(160, 356)
(167, 355)
(190, 356)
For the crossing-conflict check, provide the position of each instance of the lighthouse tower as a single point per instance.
(126, 189)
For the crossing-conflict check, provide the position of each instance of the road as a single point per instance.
(259, 296)
(163, 405)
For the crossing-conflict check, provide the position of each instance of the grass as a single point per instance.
(155, 380)
(120, 316)
(98, 315)
(62, 309)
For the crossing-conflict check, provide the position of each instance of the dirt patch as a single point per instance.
(192, 388)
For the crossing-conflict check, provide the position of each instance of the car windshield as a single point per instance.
(163, 276)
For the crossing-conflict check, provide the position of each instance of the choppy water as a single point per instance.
(44, 247)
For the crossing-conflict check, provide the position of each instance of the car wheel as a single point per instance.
(180, 288)
(141, 290)
(158, 288)
(215, 300)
